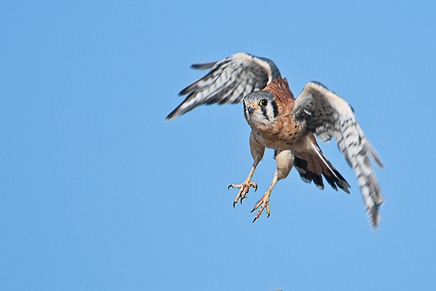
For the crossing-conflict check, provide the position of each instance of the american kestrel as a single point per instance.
(288, 125)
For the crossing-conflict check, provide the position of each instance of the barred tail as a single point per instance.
(312, 165)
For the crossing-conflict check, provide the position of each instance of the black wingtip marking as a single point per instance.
(179, 110)
(374, 216)
(203, 66)
(186, 90)
(171, 116)
(183, 92)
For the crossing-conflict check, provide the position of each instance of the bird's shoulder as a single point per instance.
(283, 97)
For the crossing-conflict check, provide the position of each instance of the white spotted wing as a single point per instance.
(327, 115)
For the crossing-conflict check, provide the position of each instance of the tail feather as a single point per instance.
(312, 165)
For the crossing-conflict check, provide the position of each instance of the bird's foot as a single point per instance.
(262, 203)
(243, 190)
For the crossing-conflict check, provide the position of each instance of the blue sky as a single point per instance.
(98, 192)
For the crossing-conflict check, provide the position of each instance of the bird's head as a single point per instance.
(260, 108)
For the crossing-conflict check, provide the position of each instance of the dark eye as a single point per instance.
(263, 102)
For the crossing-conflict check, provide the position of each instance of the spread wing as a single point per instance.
(327, 115)
(228, 81)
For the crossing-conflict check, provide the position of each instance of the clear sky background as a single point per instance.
(98, 192)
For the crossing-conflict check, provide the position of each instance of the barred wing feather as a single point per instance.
(327, 115)
(228, 81)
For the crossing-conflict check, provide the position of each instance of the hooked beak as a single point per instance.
(250, 109)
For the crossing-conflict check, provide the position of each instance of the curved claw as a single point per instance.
(256, 217)
(255, 186)
(262, 203)
(243, 190)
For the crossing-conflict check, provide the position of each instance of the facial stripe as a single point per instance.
(275, 109)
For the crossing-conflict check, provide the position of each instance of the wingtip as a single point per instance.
(379, 162)
(185, 91)
(204, 66)
(376, 158)
(172, 115)
(373, 153)
(374, 216)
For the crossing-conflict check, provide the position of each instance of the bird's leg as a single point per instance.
(264, 201)
(244, 187)
(285, 161)
(257, 150)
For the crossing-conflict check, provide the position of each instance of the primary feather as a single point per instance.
(328, 115)
(228, 81)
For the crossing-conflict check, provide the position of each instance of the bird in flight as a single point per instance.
(288, 126)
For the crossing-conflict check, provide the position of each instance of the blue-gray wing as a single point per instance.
(327, 115)
(228, 81)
